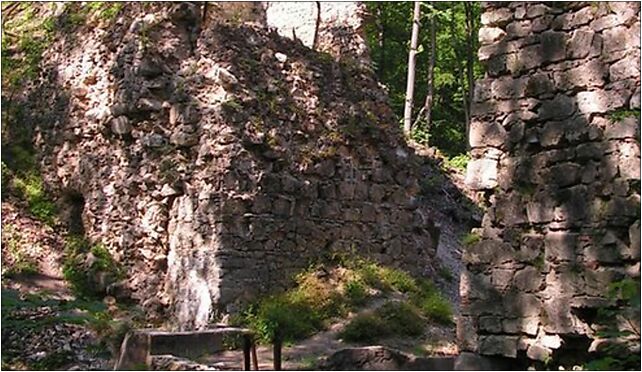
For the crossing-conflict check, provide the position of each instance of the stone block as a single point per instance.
(558, 108)
(498, 345)
(508, 88)
(526, 59)
(467, 337)
(551, 133)
(491, 324)
(497, 17)
(586, 75)
(486, 134)
(593, 102)
(558, 318)
(560, 246)
(623, 129)
(625, 68)
(521, 305)
(554, 45)
(501, 279)
(528, 325)
(580, 43)
(538, 84)
(509, 209)
(519, 29)
(481, 174)
(489, 35)
(538, 352)
(621, 38)
(565, 174)
(528, 279)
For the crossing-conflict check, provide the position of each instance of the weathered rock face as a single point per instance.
(559, 163)
(215, 162)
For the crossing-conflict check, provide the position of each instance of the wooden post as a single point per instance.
(247, 345)
(278, 344)
(254, 357)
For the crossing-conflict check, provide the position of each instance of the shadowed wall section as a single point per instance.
(556, 154)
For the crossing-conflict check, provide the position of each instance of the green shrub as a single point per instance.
(470, 239)
(459, 162)
(437, 309)
(394, 318)
(78, 274)
(280, 315)
(30, 187)
(365, 328)
(355, 292)
(402, 318)
(397, 280)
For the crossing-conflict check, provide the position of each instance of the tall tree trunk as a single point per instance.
(410, 87)
(431, 73)
(470, 45)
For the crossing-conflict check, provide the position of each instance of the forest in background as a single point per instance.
(455, 26)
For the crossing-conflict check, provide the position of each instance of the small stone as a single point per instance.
(593, 102)
(280, 57)
(121, 126)
(225, 77)
(147, 104)
(538, 352)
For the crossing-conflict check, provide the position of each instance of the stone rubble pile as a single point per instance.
(555, 139)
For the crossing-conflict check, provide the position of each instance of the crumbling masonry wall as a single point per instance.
(216, 161)
(556, 152)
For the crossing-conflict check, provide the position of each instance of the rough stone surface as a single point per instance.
(564, 219)
(234, 183)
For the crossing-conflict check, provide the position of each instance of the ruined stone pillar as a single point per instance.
(555, 138)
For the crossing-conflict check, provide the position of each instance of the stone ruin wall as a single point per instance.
(560, 172)
(214, 169)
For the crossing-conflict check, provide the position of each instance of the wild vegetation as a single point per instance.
(333, 290)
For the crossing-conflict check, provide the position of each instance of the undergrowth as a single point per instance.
(83, 262)
(325, 292)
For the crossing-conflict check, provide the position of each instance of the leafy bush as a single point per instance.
(394, 318)
(403, 318)
(436, 308)
(365, 328)
(281, 315)
(81, 272)
(470, 239)
(356, 293)
(30, 187)
(304, 309)
(397, 280)
(459, 162)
